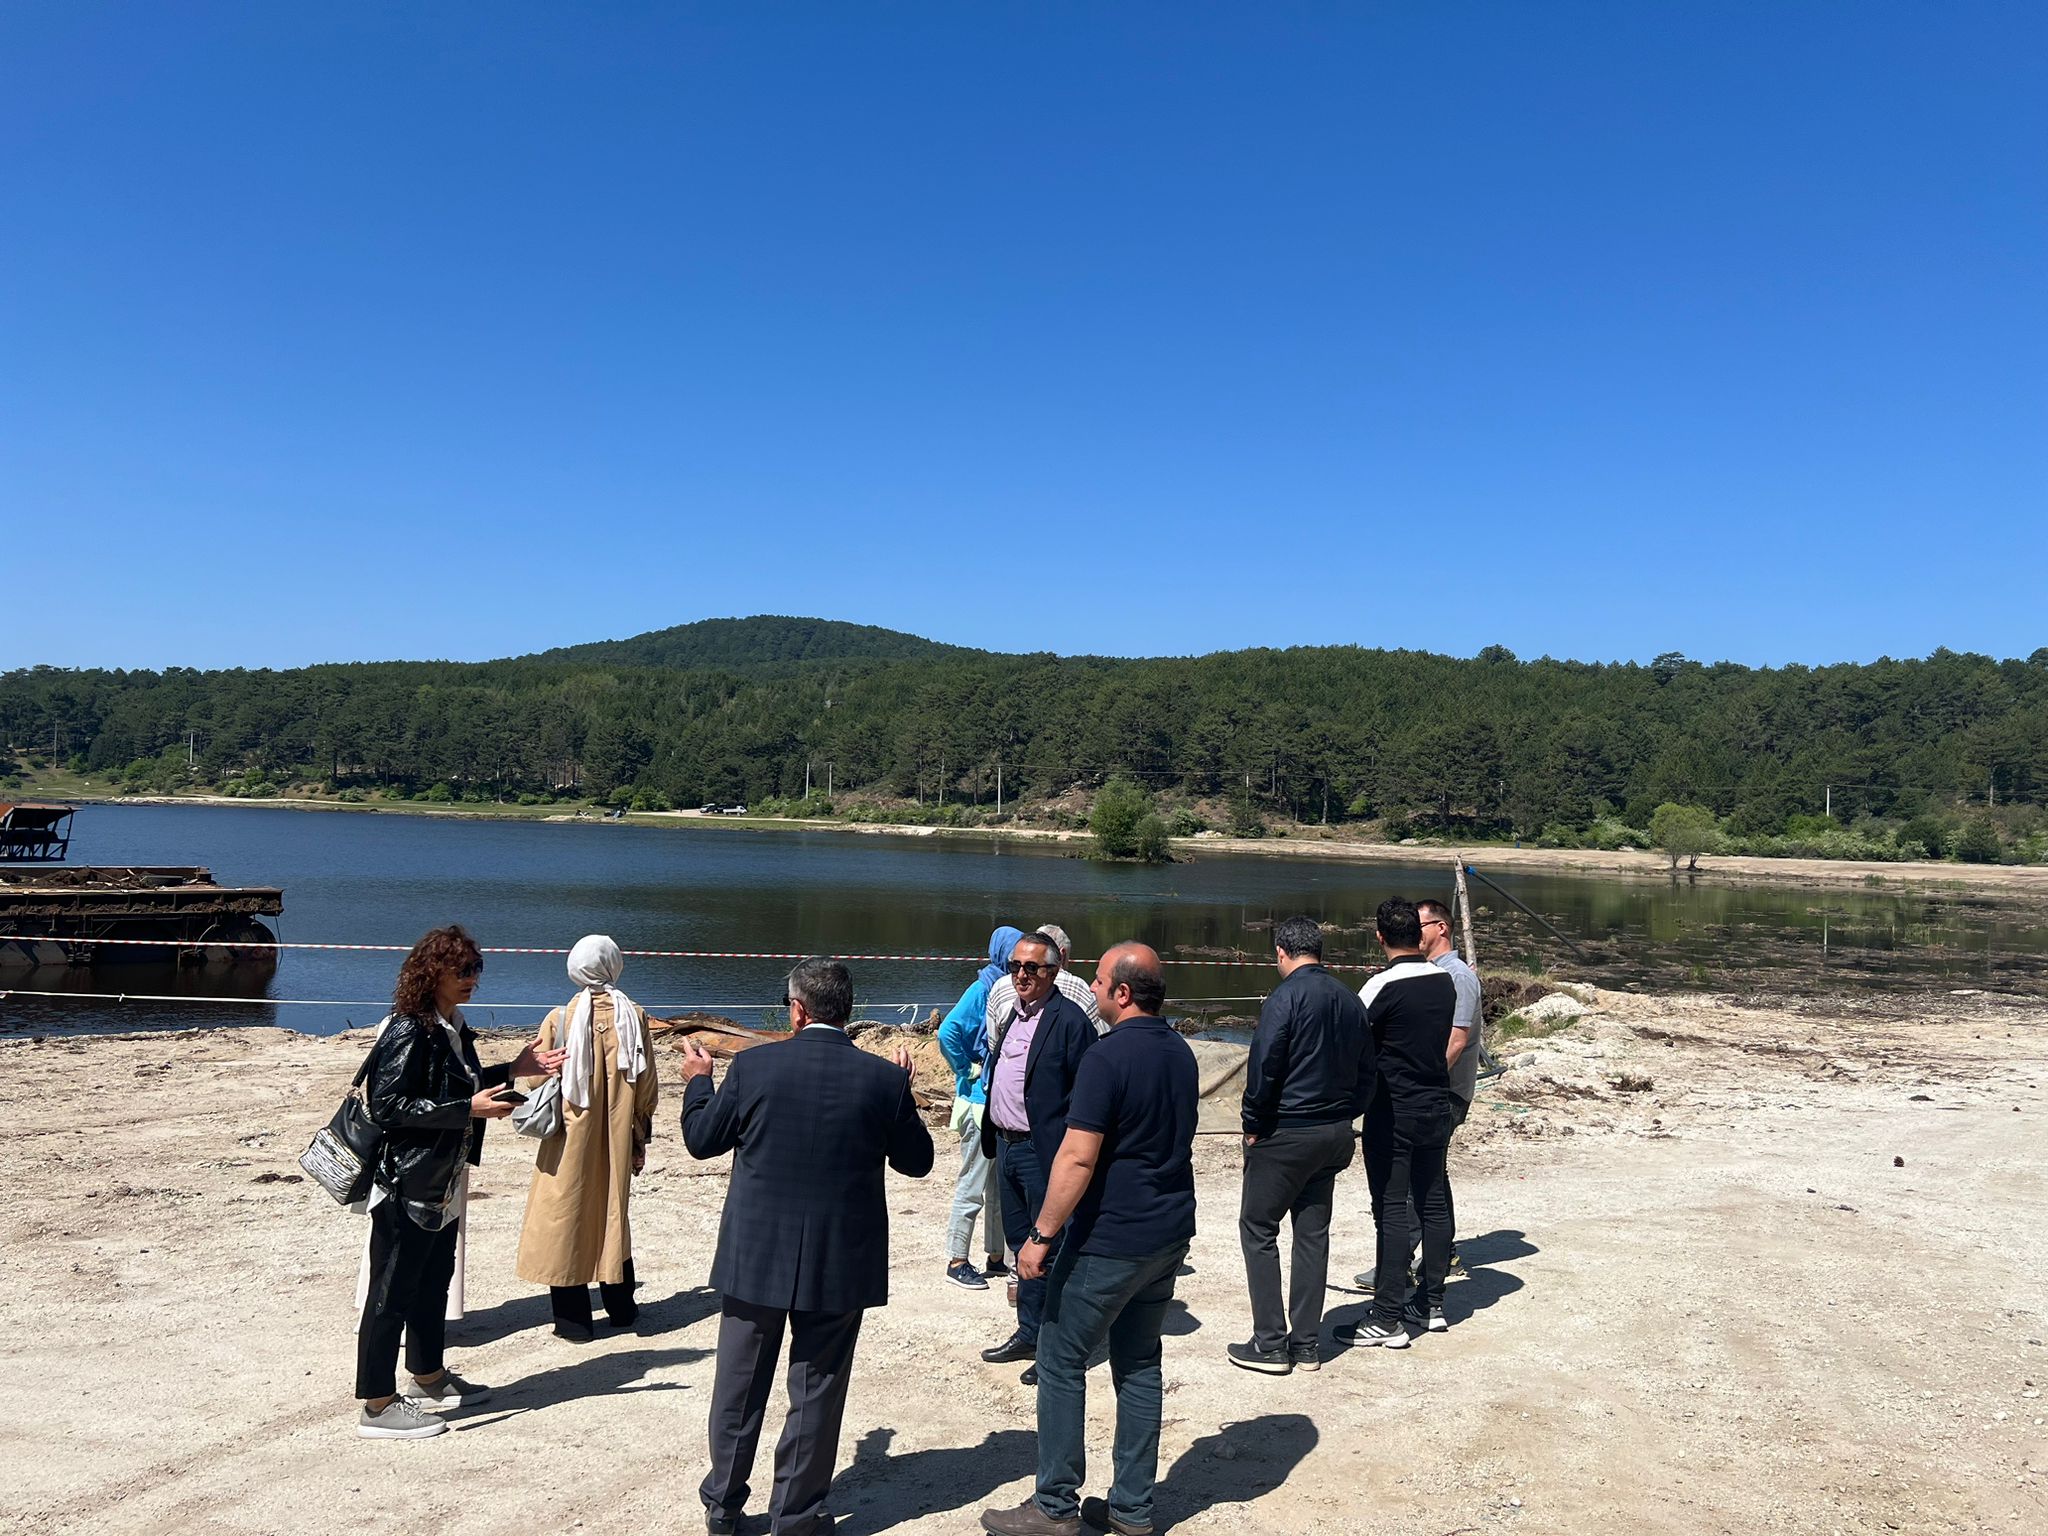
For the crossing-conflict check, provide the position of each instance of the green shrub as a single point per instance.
(1684, 832)
(1186, 823)
(1245, 821)
(1150, 838)
(1558, 835)
(650, 800)
(1979, 842)
(1119, 806)
(1923, 837)
(1609, 833)
(439, 794)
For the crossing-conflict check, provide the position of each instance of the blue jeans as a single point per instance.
(1021, 1177)
(1092, 1298)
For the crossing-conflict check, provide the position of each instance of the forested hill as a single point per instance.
(764, 642)
(734, 710)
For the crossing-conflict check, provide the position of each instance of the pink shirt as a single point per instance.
(1006, 1089)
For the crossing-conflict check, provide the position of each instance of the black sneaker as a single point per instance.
(1306, 1357)
(1436, 1321)
(1274, 1362)
(996, 1269)
(718, 1523)
(1370, 1332)
(966, 1276)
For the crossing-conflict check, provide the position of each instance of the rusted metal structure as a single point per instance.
(68, 915)
(34, 833)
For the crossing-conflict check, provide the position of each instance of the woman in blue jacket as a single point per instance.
(963, 1040)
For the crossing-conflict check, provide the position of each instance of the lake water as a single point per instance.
(384, 879)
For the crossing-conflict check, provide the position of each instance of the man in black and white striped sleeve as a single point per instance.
(1409, 1007)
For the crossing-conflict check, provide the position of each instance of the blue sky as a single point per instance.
(411, 330)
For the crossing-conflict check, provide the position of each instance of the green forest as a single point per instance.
(1942, 756)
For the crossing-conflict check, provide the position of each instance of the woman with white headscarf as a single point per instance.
(576, 1227)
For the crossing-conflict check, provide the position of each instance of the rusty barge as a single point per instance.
(57, 914)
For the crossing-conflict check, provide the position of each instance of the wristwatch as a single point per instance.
(1036, 1236)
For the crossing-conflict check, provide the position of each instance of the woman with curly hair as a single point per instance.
(430, 1095)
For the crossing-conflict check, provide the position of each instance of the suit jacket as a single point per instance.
(1063, 1035)
(813, 1119)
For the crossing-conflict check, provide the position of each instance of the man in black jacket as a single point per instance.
(804, 1241)
(1310, 1070)
(1032, 1058)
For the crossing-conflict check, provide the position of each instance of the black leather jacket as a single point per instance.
(1312, 1056)
(419, 1092)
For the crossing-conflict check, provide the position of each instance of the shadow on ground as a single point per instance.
(880, 1491)
(1239, 1463)
(1484, 1284)
(487, 1325)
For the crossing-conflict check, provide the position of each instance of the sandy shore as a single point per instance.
(2027, 882)
(1794, 1283)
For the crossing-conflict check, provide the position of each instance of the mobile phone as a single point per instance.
(509, 1096)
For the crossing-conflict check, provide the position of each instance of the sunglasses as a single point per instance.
(1030, 968)
(470, 971)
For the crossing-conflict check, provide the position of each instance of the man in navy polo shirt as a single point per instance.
(1123, 1185)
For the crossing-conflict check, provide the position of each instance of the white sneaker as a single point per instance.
(451, 1391)
(400, 1419)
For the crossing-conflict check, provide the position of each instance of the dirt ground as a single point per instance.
(1735, 1268)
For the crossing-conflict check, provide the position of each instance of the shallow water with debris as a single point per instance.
(382, 880)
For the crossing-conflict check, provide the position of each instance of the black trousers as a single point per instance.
(1291, 1174)
(1404, 1162)
(820, 1369)
(1447, 1207)
(410, 1268)
(571, 1303)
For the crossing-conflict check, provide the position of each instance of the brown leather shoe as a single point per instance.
(1027, 1519)
(1095, 1512)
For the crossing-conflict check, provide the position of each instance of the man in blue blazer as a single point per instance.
(1033, 1054)
(803, 1246)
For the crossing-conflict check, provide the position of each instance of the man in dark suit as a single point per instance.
(1033, 1055)
(803, 1246)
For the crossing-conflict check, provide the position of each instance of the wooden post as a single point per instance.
(1465, 914)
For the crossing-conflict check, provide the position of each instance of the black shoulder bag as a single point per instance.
(342, 1156)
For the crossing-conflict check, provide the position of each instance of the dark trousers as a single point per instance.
(1021, 1178)
(1447, 1210)
(1091, 1299)
(571, 1303)
(820, 1368)
(1404, 1161)
(1291, 1174)
(410, 1268)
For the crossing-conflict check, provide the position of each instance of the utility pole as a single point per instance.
(828, 778)
(942, 778)
(1828, 804)
(999, 786)
(807, 778)
(191, 748)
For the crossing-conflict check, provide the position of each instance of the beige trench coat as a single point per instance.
(576, 1227)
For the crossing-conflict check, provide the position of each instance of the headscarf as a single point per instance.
(594, 964)
(1000, 943)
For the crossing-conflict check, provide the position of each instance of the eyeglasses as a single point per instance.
(470, 971)
(1030, 968)
(1441, 922)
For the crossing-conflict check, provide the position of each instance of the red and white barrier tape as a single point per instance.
(658, 954)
